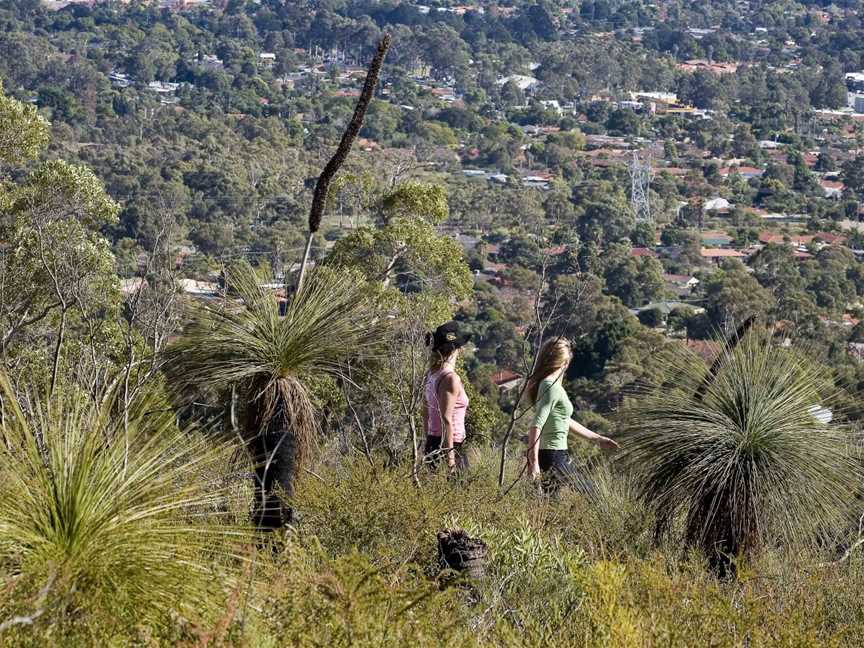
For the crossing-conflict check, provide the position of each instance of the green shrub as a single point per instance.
(110, 525)
(738, 457)
(347, 601)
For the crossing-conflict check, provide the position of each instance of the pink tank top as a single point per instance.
(434, 419)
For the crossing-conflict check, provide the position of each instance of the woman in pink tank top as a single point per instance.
(445, 402)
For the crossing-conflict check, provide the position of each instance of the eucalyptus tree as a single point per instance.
(56, 271)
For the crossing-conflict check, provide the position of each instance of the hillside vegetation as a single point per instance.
(209, 439)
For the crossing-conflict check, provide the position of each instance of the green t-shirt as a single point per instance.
(552, 413)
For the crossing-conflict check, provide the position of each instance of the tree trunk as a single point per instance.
(274, 450)
(274, 454)
(61, 334)
(303, 265)
(319, 198)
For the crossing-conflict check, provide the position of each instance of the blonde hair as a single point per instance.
(554, 355)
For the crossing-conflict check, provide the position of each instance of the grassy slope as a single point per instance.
(568, 572)
(359, 571)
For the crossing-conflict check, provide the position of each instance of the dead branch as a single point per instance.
(848, 553)
(515, 415)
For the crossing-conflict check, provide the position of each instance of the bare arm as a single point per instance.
(598, 439)
(534, 451)
(447, 393)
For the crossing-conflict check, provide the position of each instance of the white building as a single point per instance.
(661, 97)
(551, 104)
(522, 82)
(717, 204)
(120, 80)
(163, 87)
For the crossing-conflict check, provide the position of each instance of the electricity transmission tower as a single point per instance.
(640, 181)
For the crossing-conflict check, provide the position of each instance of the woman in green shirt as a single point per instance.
(547, 438)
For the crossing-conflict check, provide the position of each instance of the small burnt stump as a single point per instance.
(462, 553)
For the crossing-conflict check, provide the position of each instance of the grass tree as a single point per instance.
(735, 458)
(267, 359)
(109, 519)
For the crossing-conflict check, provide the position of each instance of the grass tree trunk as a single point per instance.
(281, 426)
(274, 479)
(274, 450)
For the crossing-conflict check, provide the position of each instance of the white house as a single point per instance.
(163, 87)
(551, 104)
(717, 204)
(120, 80)
(661, 97)
(522, 82)
(195, 287)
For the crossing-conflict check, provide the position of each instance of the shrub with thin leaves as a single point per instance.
(348, 602)
(121, 522)
(269, 359)
(738, 458)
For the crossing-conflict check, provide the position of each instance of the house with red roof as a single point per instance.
(367, 144)
(642, 252)
(680, 285)
(708, 350)
(718, 255)
(832, 189)
(788, 239)
(505, 379)
(831, 238)
(799, 240)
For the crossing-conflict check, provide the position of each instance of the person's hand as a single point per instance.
(533, 471)
(451, 461)
(606, 443)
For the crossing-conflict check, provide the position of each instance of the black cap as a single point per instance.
(447, 338)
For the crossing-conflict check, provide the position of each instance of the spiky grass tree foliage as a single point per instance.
(117, 521)
(269, 359)
(738, 460)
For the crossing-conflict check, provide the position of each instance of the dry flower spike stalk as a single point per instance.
(319, 199)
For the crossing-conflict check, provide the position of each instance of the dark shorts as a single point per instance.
(433, 454)
(558, 470)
